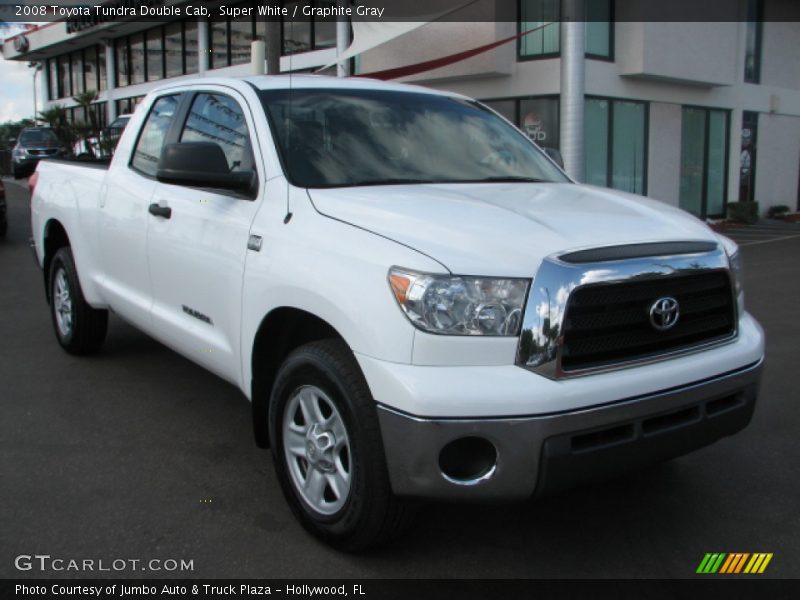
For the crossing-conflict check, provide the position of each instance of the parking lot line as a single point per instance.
(778, 239)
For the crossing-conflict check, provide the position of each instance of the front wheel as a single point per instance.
(328, 449)
(80, 329)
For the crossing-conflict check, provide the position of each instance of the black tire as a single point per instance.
(87, 327)
(3, 226)
(371, 513)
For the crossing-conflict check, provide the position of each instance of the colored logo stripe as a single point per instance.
(734, 563)
(711, 563)
(758, 563)
(723, 563)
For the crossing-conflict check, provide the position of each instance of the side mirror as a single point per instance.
(554, 155)
(203, 164)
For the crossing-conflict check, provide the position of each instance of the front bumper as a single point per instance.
(555, 451)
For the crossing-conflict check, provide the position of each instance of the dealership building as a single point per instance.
(695, 114)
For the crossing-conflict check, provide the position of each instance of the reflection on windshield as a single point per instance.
(332, 138)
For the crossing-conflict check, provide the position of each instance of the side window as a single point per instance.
(154, 132)
(219, 119)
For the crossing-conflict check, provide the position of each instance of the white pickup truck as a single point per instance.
(418, 302)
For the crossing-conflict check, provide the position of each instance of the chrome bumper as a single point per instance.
(544, 453)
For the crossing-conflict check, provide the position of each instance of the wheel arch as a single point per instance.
(281, 331)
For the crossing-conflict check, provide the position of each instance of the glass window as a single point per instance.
(173, 49)
(219, 119)
(102, 77)
(151, 139)
(122, 60)
(65, 84)
(599, 28)
(615, 144)
(704, 135)
(339, 138)
(717, 162)
(190, 47)
(218, 43)
(137, 72)
(241, 37)
(539, 120)
(155, 55)
(123, 106)
(693, 131)
(628, 150)
(295, 33)
(533, 14)
(77, 73)
(52, 79)
(546, 41)
(90, 68)
(101, 114)
(752, 60)
(325, 29)
(596, 142)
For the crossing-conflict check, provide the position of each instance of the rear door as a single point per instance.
(123, 217)
(197, 256)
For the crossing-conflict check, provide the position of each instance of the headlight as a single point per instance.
(460, 305)
(738, 277)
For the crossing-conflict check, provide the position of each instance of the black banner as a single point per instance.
(81, 13)
(369, 589)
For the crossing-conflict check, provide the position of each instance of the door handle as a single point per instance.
(160, 211)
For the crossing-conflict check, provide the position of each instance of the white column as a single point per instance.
(258, 57)
(111, 82)
(342, 41)
(573, 33)
(202, 46)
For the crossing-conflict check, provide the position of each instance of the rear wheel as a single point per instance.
(79, 328)
(328, 449)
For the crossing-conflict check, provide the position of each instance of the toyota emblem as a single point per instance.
(664, 313)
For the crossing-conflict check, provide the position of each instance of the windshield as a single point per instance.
(38, 136)
(340, 138)
(120, 123)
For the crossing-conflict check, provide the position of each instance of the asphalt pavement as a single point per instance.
(139, 454)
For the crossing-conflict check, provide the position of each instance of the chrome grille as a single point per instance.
(608, 323)
(583, 316)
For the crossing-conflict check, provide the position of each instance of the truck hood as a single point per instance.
(506, 229)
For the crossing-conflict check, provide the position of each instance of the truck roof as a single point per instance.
(305, 81)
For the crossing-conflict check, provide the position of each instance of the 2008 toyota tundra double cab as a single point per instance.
(417, 301)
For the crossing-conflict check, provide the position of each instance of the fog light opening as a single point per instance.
(468, 460)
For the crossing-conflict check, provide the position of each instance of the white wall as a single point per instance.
(780, 54)
(698, 53)
(777, 161)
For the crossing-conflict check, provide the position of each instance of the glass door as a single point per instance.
(704, 161)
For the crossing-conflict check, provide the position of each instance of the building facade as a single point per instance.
(695, 114)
